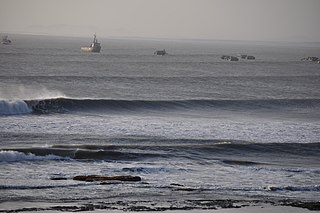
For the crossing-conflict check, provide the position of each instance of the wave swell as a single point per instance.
(15, 156)
(294, 188)
(68, 153)
(63, 105)
(229, 154)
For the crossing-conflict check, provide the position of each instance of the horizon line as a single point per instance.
(154, 38)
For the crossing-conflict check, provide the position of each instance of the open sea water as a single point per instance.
(191, 125)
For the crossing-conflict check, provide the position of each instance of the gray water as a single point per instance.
(190, 124)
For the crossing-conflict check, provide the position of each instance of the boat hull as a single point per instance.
(90, 49)
(5, 40)
(6, 43)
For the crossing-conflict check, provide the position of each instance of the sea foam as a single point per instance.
(14, 156)
(14, 107)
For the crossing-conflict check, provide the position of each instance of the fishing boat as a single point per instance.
(94, 47)
(229, 58)
(5, 40)
(160, 52)
(310, 58)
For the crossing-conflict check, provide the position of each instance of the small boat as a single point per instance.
(250, 57)
(242, 56)
(310, 58)
(94, 47)
(229, 58)
(5, 40)
(247, 57)
(160, 52)
(233, 58)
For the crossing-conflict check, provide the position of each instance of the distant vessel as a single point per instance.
(248, 57)
(5, 40)
(229, 58)
(239, 56)
(160, 52)
(311, 58)
(94, 47)
(242, 56)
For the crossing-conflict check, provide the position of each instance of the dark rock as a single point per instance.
(58, 178)
(176, 184)
(312, 206)
(186, 189)
(91, 178)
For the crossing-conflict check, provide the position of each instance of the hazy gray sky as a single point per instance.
(288, 20)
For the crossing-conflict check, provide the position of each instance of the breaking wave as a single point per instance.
(14, 107)
(64, 105)
(52, 153)
(15, 156)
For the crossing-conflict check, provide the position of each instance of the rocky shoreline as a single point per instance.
(156, 205)
(138, 206)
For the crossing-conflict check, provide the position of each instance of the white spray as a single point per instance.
(32, 92)
(12, 98)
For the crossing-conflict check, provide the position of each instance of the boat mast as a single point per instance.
(95, 38)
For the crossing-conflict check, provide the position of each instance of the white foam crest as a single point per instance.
(22, 92)
(14, 156)
(14, 107)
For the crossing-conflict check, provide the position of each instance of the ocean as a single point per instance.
(200, 132)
